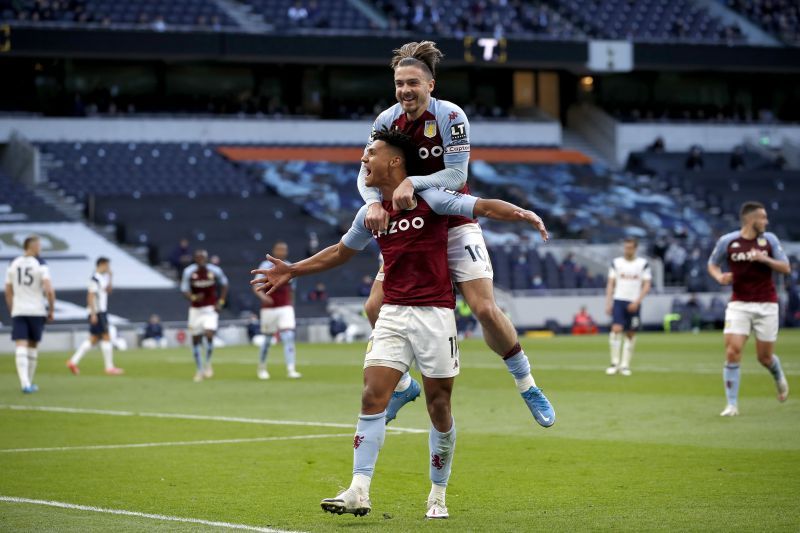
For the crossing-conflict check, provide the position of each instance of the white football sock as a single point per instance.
(615, 344)
(21, 355)
(361, 483)
(437, 492)
(108, 354)
(33, 358)
(404, 383)
(627, 351)
(81, 351)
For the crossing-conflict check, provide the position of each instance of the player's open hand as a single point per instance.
(633, 307)
(274, 277)
(403, 197)
(377, 218)
(535, 221)
(93, 319)
(725, 279)
(609, 309)
(50, 317)
(760, 256)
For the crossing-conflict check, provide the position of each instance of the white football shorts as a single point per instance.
(423, 336)
(467, 257)
(743, 317)
(274, 319)
(202, 319)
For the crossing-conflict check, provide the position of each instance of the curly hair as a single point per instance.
(423, 54)
(404, 143)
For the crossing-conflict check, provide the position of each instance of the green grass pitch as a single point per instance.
(648, 452)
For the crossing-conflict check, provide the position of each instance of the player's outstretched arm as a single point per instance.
(9, 297)
(50, 294)
(281, 273)
(504, 211)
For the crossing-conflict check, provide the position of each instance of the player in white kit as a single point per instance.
(629, 280)
(97, 305)
(27, 283)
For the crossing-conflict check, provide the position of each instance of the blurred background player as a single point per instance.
(27, 283)
(629, 281)
(440, 129)
(97, 304)
(752, 256)
(277, 316)
(206, 287)
(153, 334)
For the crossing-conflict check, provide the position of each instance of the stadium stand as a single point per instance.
(19, 204)
(305, 15)
(648, 20)
(155, 15)
(779, 17)
(462, 17)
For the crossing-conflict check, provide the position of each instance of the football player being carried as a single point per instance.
(753, 255)
(629, 281)
(277, 316)
(440, 131)
(100, 288)
(27, 284)
(200, 283)
(416, 324)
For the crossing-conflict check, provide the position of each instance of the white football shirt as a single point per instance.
(98, 285)
(629, 276)
(26, 275)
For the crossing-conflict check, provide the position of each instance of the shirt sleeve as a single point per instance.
(10, 274)
(777, 250)
(612, 271)
(223, 279)
(358, 236)
(720, 252)
(647, 273)
(185, 287)
(454, 129)
(45, 272)
(94, 285)
(448, 202)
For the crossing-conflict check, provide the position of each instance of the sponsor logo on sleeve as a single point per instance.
(456, 149)
(430, 129)
(458, 132)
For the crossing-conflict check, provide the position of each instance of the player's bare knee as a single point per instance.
(733, 353)
(373, 400)
(765, 357)
(616, 328)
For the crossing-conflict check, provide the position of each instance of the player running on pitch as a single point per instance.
(753, 255)
(97, 303)
(199, 285)
(27, 283)
(416, 322)
(629, 281)
(277, 316)
(440, 130)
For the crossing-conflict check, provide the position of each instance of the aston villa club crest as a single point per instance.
(430, 129)
(761, 241)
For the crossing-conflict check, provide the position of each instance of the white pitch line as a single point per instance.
(174, 443)
(63, 505)
(264, 421)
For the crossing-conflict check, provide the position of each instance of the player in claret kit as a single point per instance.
(27, 284)
(277, 316)
(629, 280)
(440, 131)
(416, 324)
(753, 255)
(199, 283)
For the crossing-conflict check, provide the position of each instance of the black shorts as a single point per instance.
(27, 328)
(629, 321)
(101, 326)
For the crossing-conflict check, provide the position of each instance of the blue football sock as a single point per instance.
(442, 447)
(198, 361)
(775, 369)
(367, 442)
(287, 338)
(209, 349)
(731, 375)
(520, 368)
(262, 355)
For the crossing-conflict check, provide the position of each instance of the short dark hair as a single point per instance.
(28, 241)
(634, 240)
(749, 207)
(102, 260)
(405, 144)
